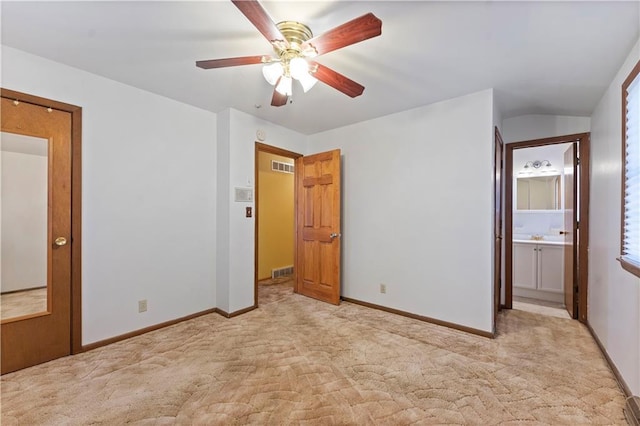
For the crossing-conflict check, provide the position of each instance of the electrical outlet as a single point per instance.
(383, 288)
(142, 305)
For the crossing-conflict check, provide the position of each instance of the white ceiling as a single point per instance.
(542, 57)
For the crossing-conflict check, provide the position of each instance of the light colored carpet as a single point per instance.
(272, 290)
(541, 309)
(298, 361)
(22, 303)
(539, 302)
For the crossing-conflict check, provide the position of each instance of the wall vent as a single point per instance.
(281, 272)
(279, 166)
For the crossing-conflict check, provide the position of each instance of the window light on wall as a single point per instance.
(630, 238)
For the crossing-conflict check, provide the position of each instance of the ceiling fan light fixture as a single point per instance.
(307, 81)
(298, 68)
(284, 87)
(272, 72)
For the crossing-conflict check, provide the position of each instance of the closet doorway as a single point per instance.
(274, 219)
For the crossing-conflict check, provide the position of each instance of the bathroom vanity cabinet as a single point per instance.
(538, 270)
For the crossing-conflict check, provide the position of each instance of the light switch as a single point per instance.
(248, 211)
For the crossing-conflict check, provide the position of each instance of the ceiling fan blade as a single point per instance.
(354, 31)
(260, 19)
(337, 80)
(278, 98)
(232, 62)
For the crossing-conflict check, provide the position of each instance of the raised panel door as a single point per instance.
(318, 226)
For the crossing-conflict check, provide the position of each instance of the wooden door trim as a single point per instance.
(76, 204)
(583, 140)
(570, 249)
(269, 149)
(584, 150)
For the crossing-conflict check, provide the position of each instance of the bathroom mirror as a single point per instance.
(538, 193)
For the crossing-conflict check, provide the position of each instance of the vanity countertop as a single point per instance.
(541, 242)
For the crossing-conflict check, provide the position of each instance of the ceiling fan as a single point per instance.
(295, 46)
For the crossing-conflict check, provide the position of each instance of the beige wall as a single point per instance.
(275, 216)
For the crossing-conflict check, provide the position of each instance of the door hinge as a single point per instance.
(578, 161)
(577, 224)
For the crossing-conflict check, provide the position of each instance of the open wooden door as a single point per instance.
(497, 224)
(569, 232)
(37, 142)
(317, 262)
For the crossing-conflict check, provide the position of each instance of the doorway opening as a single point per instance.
(547, 223)
(274, 222)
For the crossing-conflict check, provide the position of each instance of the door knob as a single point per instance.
(60, 241)
(334, 235)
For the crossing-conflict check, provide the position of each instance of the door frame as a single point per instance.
(269, 149)
(583, 140)
(76, 204)
(498, 249)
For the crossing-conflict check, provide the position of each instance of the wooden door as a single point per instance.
(497, 224)
(318, 226)
(569, 231)
(45, 335)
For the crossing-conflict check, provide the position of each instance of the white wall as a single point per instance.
(614, 294)
(544, 222)
(224, 191)
(497, 116)
(417, 209)
(236, 247)
(528, 127)
(553, 153)
(148, 195)
(24, 220)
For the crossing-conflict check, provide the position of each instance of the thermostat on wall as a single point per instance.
(261, 134)
(244, 195)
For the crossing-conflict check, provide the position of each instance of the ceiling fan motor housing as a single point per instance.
(295, 33)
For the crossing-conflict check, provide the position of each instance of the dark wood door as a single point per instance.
(497, 224)
(569, 231)
(45, 335)
(318, 226)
